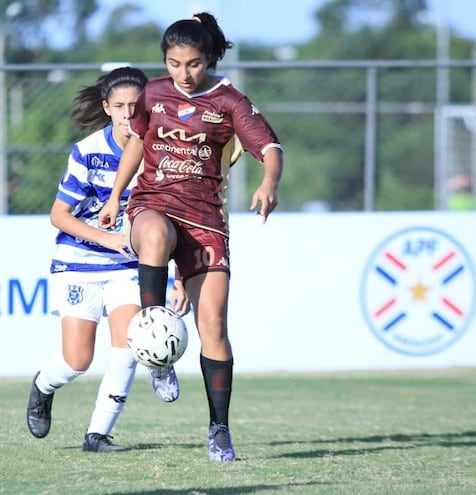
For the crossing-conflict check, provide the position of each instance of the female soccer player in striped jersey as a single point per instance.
(92, 271)
(184, 126)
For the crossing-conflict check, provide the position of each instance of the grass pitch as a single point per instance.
(369, 433)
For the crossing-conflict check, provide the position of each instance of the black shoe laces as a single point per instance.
(107, 439)
(42, 408)
(221, 435)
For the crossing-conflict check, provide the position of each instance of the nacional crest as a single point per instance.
(75, 294)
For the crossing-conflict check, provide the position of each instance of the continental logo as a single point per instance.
(212, 117)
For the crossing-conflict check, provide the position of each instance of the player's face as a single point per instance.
(120, 107)
(188, 67)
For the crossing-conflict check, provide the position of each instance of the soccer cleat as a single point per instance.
(164, 382)
(220, 446)
(38, 414)
(96, 442)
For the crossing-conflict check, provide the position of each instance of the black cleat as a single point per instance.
(95, 442)
(38, 414)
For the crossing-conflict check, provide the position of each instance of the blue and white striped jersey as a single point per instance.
(86, 186)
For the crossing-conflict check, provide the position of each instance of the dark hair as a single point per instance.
(202, 32)
(88, 113)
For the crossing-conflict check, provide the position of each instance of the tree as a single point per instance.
(33, 29)
(318, 113)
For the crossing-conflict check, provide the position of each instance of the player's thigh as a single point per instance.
(121, 297)
(152, 236)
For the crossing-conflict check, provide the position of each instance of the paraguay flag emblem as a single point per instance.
(418, 291)
(185, 111)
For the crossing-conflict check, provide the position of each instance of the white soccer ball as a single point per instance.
(157, 337)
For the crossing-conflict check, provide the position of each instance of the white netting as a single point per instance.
(456, 157)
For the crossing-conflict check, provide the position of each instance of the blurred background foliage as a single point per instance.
(324, 146)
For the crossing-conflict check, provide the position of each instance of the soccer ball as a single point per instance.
(157, 337)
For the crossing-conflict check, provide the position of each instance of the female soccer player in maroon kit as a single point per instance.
(189, 127)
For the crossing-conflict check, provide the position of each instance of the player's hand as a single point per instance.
(108, 214)
(115, 241)
(264, 200)
(179, 301)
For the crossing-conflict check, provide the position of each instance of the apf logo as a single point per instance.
(417, 291)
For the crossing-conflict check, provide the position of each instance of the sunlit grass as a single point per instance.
(369, 433)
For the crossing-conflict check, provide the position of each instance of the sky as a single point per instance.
(271, 22)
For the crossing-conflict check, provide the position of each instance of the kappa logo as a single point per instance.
(75, 294)
(60, 268)
(100, 176)
(158, 108)
(254, 110)
(119, 399)
(418, 291)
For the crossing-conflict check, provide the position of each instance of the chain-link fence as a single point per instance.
(357, 135)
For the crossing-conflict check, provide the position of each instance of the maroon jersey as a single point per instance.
(189, 143)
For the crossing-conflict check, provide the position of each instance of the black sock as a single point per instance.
(153, 285)
(218, 376)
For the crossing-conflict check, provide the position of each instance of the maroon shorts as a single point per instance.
(199, 250)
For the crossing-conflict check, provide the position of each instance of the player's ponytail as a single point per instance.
(202, 32)
(88, 113)
(220, 43)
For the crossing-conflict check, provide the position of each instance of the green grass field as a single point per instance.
(369, 433)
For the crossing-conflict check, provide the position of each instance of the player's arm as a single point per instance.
(266, 196)
(258, 138)
(128, 166)
(62, 219)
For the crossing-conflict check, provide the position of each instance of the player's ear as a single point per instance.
(105, 107)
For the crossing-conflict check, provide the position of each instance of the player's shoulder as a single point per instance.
(157, 90)
(95, 147)
(224, 94)
(92, 142)
(224, 86)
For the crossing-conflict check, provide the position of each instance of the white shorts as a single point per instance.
(91, 295)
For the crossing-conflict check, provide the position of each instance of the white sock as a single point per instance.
(113, 391)
(55, 374)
